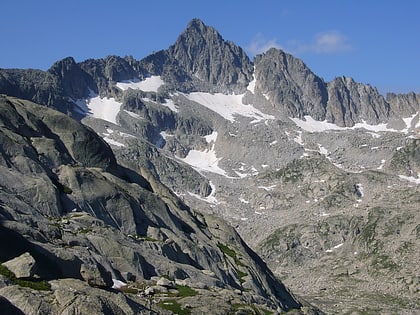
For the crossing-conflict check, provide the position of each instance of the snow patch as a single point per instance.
(204, 161)
(118, 284)
(113, 142)
(243, 200)
(298, 138)
(228, 106)
(251, 85)
(411, 179)
(165, 135)
(211, 137)
(335, 247)
(101, 108)
(312, 125)
(171, 105)
(322, 150)
(150, 84)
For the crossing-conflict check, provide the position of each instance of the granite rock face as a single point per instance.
(83, 216)
(202, 52)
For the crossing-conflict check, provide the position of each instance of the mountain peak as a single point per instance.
(196, 23)
(203, 53)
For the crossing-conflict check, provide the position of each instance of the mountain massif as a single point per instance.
(196, 177)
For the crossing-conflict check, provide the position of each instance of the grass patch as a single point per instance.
(174, 307)
(36, 285)
(129, 290)
(184, 291)
(231, 253)
(241, 275)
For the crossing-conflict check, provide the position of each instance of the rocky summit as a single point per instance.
(199, 181)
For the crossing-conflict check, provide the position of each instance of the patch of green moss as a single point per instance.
(174, 307)
(129, 290)
(241, 275)
(231, 253)
(36, 285)
(184, 291)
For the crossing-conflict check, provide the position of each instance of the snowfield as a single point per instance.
(150, 84)
(204, 161)
(228, 106)
(102, 108)
(312, 125)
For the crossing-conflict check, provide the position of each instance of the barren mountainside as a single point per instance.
(198, 177)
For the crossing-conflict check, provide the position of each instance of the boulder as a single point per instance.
(96, 276)
(23, 266)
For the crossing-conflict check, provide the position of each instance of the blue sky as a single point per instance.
(375, 42)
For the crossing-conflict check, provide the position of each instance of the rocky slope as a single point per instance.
(67, 203)
(320, 178)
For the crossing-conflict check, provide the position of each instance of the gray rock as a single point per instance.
(96, 276)
(164, 282)
(23, 266)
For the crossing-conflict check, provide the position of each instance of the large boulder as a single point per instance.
(23, 266)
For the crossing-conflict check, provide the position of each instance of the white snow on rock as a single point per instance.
(165, 135)
(411, 179)
(409, 122)
(113, 142)
(228, 106)
(251, 85)
(312, 125)
(298, 138)
(243, 200)
(322, 150)
(150, 84)
(335, 247)
(171, 105)
(206, 161)
(117, 284)
(102, 108)
(211, 137)
(110, 140)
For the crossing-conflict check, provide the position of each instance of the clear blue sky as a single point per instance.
(375, 42)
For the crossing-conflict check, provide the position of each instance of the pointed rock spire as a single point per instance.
(202, 52)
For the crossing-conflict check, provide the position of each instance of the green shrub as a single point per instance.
(36, 285)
